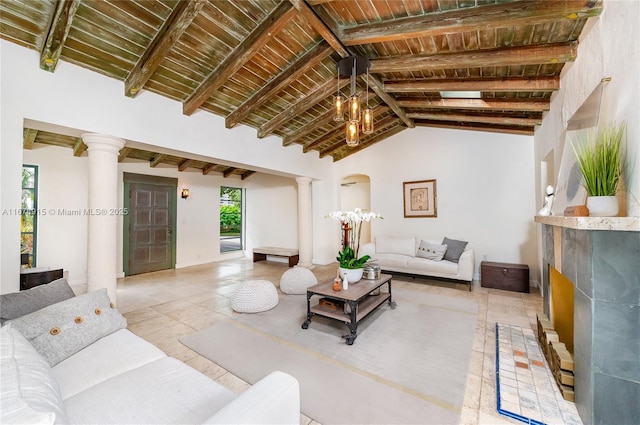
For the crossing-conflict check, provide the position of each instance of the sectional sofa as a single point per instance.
(74, 362)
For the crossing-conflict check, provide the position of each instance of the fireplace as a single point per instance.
(599, 259)
(561, 306)
(555, 336)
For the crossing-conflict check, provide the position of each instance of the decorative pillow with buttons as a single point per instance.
(64, 328)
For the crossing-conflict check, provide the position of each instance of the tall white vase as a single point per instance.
(602, 206)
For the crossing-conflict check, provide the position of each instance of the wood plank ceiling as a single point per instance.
(271, 65)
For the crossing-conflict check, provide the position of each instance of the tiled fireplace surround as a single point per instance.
(601, 257)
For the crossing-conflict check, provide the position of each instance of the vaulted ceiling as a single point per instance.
(271, 65)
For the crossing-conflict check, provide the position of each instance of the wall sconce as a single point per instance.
(185, 193)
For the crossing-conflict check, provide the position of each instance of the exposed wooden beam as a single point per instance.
(284, 79)
(364, 139)
(378, 87)
(339, 128)
(320, 93)
(510, 56)
(247, 174)
(228, 171)
(157, 159)
(329, 36)
(310, 127)
(180, 18)
(79, 147)
(331, 134)
(123, 153)
(470, 19)
(184, 164)
(319, 25)
(58, 32)
(378, 138)
(476, 104)
(497, 119)
(28, 137)
(209, 168)
(518, 130)
(317, 2)
(241, 54)
(511, 84)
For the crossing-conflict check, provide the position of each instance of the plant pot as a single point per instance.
(602, 206)
(353, 275)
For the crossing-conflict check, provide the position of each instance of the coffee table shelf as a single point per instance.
(366, 306)
(359, 297)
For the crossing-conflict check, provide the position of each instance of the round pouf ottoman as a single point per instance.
(295, 281)
(254, 296)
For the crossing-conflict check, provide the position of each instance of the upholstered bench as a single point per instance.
(254, 296)
(260, 254)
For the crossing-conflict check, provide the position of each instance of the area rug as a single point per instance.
(526, 389)
(408, 365)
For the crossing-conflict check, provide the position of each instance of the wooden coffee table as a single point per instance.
(358, 298)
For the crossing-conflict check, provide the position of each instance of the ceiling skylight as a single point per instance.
(461, 94)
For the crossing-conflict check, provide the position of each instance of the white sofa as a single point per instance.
(399, 254)
(122, 379)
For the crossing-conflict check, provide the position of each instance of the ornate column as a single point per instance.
(305, 235)
(103, 220)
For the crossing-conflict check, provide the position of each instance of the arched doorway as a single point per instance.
(355, 192)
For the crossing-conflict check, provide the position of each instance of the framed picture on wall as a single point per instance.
(420, 199)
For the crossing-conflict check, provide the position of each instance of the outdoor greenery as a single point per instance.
(28, 217)
(230, 211)
(600, 157)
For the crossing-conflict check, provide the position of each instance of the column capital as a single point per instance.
(102, 142)
(302, 180)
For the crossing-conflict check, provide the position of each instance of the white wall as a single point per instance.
(608, 48)
(488, 186)
(271, 215)
(485, 197)
(62, 194)
(484, 184)
(76, 100)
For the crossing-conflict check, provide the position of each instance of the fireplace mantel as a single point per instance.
(622, 224)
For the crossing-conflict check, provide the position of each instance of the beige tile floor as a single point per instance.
(163, 306)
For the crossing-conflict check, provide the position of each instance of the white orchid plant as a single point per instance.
(351, 222)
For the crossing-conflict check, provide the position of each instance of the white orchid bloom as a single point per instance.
(352, 223)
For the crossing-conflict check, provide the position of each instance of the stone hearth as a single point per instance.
(601, 258)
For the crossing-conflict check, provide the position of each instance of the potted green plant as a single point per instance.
(351, 224)
(348, 260)
(600, 158)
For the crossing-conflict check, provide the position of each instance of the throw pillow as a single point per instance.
(24, 302)
(455, 248)
(63, 329)
(431, 251)
(30, 393)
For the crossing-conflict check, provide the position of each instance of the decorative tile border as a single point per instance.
(525, 388)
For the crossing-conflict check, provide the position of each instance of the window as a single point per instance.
(231, 219)
(28, 216)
